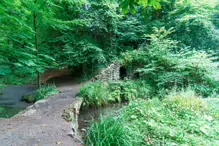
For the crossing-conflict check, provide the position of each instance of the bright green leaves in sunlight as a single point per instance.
(127, 5)
(19, 54)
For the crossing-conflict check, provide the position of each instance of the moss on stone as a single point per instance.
(28, 98)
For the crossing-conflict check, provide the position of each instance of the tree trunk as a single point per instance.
(36, 46)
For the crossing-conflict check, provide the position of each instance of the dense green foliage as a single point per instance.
(19, 55)
(180, 119)
(87, 35)
(164, 63)
(161, 65)
(130, 4)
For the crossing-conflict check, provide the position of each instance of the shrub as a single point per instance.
(17, 79)
(115, 91)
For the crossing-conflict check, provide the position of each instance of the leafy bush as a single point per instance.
(102, 93)
(164, 63)
(180, 119)
(41, 93)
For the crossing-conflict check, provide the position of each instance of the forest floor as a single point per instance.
(41, 123)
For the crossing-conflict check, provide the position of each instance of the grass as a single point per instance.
(182, 118)
(185, 98)
(44, 92)
(109, 132)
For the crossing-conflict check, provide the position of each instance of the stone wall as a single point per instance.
(112, 72)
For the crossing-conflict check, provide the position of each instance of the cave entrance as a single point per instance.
(122, 72)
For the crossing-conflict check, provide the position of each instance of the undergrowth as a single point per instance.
(102, 93)
(165, 63)
(182, 118)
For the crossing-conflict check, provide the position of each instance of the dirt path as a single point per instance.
(41, 124)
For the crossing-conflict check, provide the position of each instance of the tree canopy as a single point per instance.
(90, 34)
(130, 4)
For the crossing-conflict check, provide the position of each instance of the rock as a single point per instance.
(28, 98)
(112, 72)
(29, 112)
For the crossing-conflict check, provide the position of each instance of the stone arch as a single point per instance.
(50, 74)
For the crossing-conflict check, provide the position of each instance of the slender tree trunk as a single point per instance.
(36, 46)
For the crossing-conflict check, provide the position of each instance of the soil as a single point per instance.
(41, 124)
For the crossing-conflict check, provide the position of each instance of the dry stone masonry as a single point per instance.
(112, 72)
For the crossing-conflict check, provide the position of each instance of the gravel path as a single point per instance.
(41, 124)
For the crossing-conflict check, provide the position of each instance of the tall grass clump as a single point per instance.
(108, 132)
(94, 94)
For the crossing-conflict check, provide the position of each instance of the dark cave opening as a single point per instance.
(122, 72)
